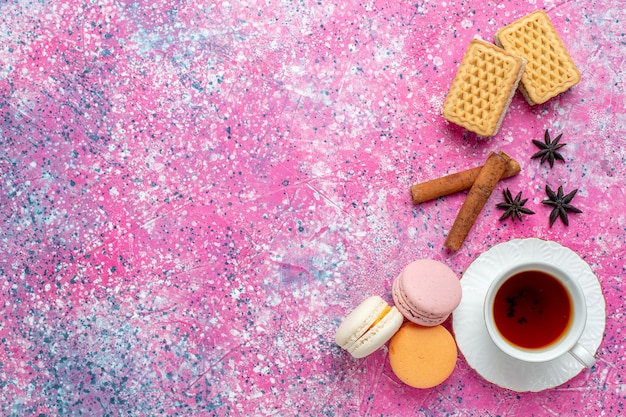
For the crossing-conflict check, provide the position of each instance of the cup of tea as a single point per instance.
(535, 312)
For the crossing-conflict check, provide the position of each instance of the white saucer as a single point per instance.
(469, 326)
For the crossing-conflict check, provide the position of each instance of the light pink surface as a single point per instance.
(194, 194)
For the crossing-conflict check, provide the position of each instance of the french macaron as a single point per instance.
(368, 327)
(422, 357)
(426, 291)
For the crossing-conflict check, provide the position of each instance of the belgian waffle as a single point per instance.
(550, 70)
(483, 87)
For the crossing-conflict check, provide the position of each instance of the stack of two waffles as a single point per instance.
(529, 55)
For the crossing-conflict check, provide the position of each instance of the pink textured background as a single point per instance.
(194, 194)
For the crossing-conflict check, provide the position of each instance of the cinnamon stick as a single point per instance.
(453, 183)
(478, 195)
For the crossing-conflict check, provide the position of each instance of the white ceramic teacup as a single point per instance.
(512, 302)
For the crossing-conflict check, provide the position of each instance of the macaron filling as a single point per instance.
(381, 316)
(369, 326)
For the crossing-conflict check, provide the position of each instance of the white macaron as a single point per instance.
(368, 327)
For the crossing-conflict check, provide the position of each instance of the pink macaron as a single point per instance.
(426, 292)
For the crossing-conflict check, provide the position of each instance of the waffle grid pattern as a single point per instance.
(482, 88)
(550, 70)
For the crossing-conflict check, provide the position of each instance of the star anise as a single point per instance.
(549, 149)
(561, 204)
(514, 206)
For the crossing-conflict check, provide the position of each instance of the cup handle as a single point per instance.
(582, 355)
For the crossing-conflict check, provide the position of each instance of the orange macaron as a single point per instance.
(422, 357)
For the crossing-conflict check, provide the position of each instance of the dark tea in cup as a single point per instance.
(532, 309)
(535, 311)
